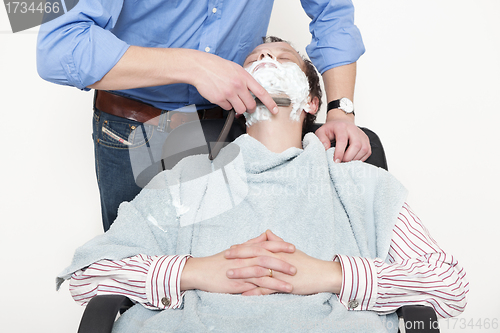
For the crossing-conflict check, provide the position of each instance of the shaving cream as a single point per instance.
(279, 79)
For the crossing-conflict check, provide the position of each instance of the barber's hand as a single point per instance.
(341, 127)
(228, 85)
(313, 275)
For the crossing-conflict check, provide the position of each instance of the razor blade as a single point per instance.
(280, 101)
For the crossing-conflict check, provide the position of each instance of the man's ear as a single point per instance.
(313, 105)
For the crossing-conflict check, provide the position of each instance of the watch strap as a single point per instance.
(333, 105)
(336, 105)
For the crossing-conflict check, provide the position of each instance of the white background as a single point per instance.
(429, 85)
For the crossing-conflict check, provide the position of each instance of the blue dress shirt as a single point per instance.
(81, 46)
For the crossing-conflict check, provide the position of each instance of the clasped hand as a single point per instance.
(245, 269)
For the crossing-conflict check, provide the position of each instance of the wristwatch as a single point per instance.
(344, 104)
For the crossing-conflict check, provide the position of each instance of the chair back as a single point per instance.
(200, 137)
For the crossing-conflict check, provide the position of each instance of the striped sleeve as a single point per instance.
(417, 272)
(153, 281)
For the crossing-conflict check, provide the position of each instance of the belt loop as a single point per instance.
(163, 121)
(98, 114)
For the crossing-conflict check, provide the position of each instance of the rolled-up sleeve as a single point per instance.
(78, 48)
(336, 41)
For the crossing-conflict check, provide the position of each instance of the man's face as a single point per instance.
(279, 69)
(281, 52)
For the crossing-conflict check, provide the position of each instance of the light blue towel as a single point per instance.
(322, 207)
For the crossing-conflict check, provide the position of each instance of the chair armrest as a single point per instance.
(419, 319)
(100, 313)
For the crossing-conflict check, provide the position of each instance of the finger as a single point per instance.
(261, 238)
(259, 292)
(359, 146)
(273, 284)
(368, 154)
(243, 251)
(340, 146)
(272, 237)
(248, 101)
(367, 149)
(260, 267)
(248, 272)
(363, 153)
(243, 286)
(321, 134)
(263, 95)
(237, 105)
(352, 151)
(223, 104)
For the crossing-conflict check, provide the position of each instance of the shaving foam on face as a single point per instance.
(279, 79)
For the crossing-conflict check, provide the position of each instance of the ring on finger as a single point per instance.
(270, 272)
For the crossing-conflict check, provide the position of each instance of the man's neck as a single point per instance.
(279, 133)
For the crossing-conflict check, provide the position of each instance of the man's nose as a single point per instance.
(266, 53)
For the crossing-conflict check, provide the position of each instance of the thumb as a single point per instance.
(261, 238)
(272, 237)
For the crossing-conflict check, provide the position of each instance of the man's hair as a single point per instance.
(312, 77)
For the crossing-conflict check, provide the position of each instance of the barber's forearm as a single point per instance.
(339, 82)
(147, 67)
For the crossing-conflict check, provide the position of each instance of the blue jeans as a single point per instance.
(127, 155)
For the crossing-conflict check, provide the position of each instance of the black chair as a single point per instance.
(101, 311)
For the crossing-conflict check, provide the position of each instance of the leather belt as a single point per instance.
(144, 113)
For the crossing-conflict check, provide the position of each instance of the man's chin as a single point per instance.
(261, 113)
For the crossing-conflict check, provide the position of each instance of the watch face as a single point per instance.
(346, 105)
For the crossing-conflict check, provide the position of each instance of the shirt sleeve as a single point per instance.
(336, 41)
(78, 48)
(418, 272)
(153, 281)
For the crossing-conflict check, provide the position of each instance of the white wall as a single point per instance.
(428, 85)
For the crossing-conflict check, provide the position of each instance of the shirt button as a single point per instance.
(353, 304)
(165, 301)
(214, 10)
(207, 49)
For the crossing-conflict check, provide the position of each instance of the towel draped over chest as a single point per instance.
(202, 208)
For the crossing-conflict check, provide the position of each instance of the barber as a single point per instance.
(145, 58)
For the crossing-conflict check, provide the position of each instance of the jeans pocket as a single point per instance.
(123, 135)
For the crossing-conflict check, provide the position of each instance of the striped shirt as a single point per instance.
(418, 272)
